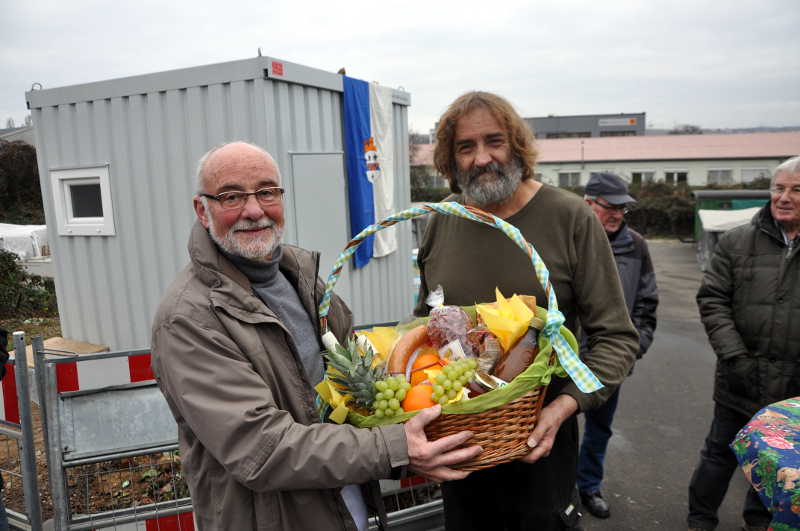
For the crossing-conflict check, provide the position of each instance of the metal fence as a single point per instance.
(110, 444)
(17, 448)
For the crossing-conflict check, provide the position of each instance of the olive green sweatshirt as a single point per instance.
(470, 259)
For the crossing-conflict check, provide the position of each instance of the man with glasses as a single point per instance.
(607, 195)
(236, 352)
(749, 302)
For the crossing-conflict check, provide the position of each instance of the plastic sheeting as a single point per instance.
(26, 241)
(722, 220)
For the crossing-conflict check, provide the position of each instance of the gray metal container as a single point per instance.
(148, 132)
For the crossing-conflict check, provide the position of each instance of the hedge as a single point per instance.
(23, 294)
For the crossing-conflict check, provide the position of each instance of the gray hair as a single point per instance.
(790, 166)
(200, 172)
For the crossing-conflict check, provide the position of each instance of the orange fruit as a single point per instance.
(418, 397)
(424, 361)
(417, 377)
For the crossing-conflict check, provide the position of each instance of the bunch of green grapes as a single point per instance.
(453, 378)
(390, 394)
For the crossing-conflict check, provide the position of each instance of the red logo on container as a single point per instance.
(277, 68)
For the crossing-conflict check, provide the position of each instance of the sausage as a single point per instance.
(405, 346)
(519, 357)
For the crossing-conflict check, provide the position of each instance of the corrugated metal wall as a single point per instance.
(108, 287)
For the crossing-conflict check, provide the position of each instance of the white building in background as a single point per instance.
(697, 160)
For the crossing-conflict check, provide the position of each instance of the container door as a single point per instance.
(319, 196)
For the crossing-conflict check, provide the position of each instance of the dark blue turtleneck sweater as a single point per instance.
(275, 290)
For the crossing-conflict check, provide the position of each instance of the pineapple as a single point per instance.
(356, 374)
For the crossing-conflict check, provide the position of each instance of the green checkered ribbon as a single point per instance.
(583, 377)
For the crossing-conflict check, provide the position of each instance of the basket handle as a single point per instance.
(583, 377)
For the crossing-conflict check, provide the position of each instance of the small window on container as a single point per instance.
(86, 200)
(82, 201)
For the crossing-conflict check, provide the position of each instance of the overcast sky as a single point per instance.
(705, 62)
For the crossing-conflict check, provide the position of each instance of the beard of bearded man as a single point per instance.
(259, 249)
(490, 184)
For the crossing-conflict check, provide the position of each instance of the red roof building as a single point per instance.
(696, 159)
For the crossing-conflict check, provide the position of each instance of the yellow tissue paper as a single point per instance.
(327, 390)
(508, 319)
(382, 338)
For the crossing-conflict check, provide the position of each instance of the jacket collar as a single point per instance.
(232, 290)
(764, 221)
(621, 241)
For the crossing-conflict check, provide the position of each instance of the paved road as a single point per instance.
(664, 413)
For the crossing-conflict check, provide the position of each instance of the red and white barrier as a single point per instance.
(96, 373)
(103, 372)
(74, 376)
(175, 522)
(9, 403)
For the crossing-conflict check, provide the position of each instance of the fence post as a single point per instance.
(30, 482)
(58, 488)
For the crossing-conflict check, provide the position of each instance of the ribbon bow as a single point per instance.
(584, 378)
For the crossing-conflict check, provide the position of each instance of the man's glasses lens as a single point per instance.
(234, 200)
(619, 208)
(779, 190)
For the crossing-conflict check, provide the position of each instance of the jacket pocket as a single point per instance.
(267, 512)
(739, 376)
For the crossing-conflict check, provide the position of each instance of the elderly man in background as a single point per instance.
(749, 302)
(607, 195)
(236, 351)
(487, 153)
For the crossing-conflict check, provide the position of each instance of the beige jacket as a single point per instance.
(253, 451)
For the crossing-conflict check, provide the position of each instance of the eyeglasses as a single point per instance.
(779, 190)
(616, 208)
(236, 200)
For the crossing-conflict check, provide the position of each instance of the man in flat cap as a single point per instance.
(607, 195)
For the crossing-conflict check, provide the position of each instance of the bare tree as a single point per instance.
(9, 123)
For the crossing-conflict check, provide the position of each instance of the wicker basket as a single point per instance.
(502, 431)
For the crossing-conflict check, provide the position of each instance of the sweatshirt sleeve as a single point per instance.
(611, 337)
(215, 393)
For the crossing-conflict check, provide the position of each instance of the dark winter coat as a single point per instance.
(750, 305)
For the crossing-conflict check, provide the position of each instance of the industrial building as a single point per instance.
(588, 125)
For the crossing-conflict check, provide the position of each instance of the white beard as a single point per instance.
(490, 191)
(258, 249)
